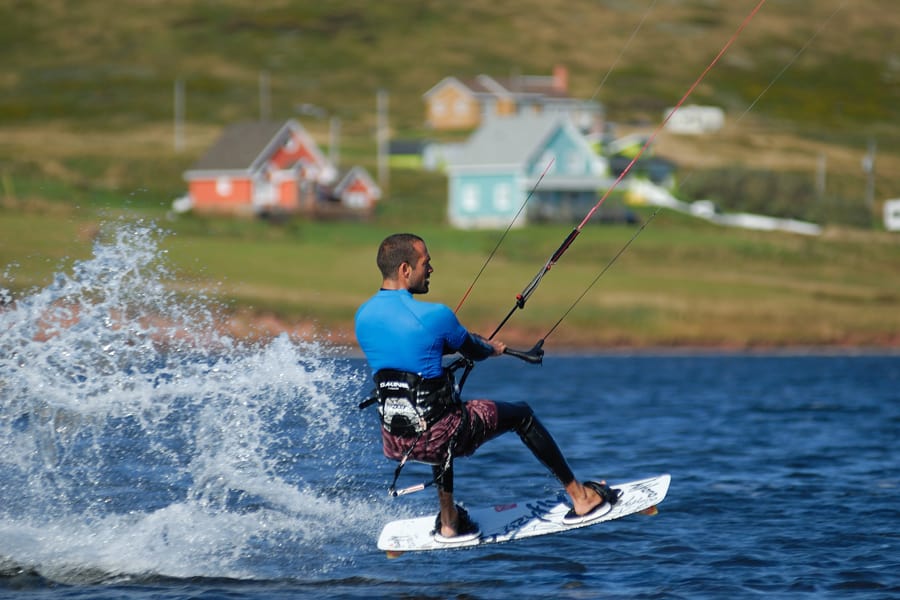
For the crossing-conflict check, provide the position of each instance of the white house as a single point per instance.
(695, 120)
(892, 214)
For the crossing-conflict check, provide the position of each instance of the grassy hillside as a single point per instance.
(86, 136)
(88, 89)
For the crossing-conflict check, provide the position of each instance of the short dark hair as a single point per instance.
(395, 250)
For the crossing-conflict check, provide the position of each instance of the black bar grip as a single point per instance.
(534, 356)
(372, 399)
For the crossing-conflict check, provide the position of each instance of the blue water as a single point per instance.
(207, 467)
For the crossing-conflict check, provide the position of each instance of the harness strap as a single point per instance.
(392, 490)
(391, 383)
(448, 462)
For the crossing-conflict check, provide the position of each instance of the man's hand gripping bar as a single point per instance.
(534, 356)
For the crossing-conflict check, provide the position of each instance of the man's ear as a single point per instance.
(405, 270)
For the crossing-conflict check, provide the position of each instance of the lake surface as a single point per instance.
(212, 468)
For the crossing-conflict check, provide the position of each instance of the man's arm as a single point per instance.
(475, 347)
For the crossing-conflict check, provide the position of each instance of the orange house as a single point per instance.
(357, 190)
(353, 196)
(264, 168)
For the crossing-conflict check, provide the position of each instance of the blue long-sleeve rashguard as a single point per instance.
(395, 331)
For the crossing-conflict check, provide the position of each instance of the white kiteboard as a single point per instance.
(519, 520)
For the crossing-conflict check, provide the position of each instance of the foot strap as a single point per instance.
(466, 528)
(609, 495)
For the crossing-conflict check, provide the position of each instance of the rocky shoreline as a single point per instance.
(262, 326)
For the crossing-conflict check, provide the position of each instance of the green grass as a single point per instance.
(680, 283)
(86, 138)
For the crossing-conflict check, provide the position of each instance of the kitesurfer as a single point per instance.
(422, 416)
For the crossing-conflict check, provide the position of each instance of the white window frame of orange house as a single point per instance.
(356, 199)
(224, 187)
(265, 191)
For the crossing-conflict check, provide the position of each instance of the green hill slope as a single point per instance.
(86, 135)
(94, 80)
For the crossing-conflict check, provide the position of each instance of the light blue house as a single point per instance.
(495, 170)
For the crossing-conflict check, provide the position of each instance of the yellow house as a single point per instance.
(452, 104)
(466, 103)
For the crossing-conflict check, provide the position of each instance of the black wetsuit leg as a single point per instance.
(518, 417)
(443, 478)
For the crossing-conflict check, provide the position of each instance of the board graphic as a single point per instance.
(522, 519)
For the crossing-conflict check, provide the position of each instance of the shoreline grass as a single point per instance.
(681, 284)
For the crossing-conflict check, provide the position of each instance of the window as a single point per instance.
(502, 198)
(223, 186)
(575, 163)
(469, 200)
(356, 200)
(545, 160)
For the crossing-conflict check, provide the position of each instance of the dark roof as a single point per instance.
(477, 85)
(239, 146)
(522, 84)
(406, 146)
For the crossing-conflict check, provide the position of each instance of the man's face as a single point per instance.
(421, 271)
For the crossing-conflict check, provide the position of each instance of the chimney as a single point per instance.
(561, 79)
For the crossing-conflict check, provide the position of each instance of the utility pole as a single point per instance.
(821, 172)
(334, 132)
(381, 137)
(868, 165)
(179, 115)
(265, 101)
(334, 128)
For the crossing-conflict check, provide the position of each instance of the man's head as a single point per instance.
(404, 263)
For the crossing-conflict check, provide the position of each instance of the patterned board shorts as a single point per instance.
(432, 447)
